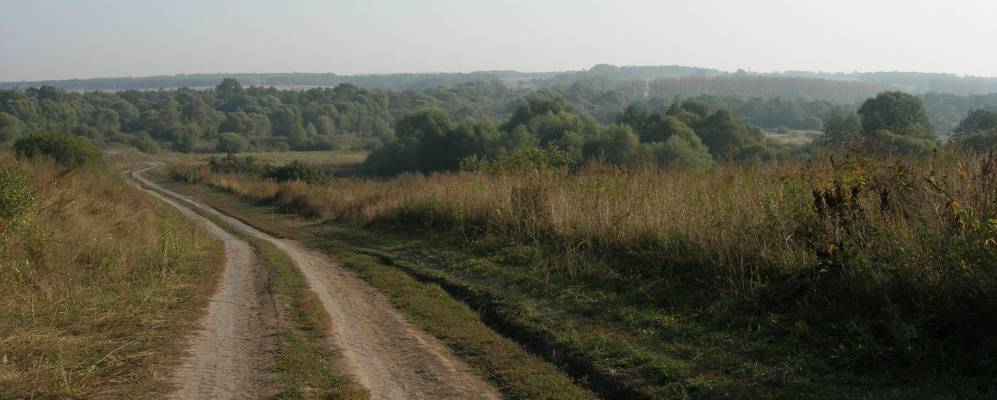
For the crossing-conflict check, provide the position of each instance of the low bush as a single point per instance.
(68, 150)
(297, 171)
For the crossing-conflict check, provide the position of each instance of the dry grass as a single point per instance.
(98, 290)
(735, 221)
(905, 246)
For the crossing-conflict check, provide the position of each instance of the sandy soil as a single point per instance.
(382, 351)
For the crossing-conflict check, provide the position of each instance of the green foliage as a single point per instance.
(297, 171)
(978, 131)
(230, 164)
(17, 199)
(229, 142)
(897, 112)
(67, 150)
(146, 144)
(617, 145)
(11, 128)
(520, 160)
(727, 137)
(841, 129)
(978, 120)
(978, 141)
(677, 151)
(567, 113)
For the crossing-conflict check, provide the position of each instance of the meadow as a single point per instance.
(849, 272)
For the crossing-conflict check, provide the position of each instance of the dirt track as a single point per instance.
(229, 357)
(379, 348)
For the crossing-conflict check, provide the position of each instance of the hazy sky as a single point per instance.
(50, 39)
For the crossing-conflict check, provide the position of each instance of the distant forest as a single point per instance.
(351, 116)
(653, 81)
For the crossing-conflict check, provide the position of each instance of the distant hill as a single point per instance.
(635, 81)
(414, 81)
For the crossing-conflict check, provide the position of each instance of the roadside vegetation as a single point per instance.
(513, 370)
(100, 283)
(866, 269)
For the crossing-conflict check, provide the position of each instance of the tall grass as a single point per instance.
(97, 288)
(907, 246)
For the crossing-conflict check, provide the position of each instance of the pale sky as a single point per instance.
(60, 39)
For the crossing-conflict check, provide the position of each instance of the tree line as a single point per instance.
(548, 132)
(233, 118)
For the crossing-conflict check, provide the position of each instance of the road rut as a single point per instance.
(382, 351)
(230, 355)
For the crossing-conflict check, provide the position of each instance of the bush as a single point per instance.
(978, 141)
(232, 143)
(297, 171)
(146, 144)
(67, 150)
(231, 164)
(17, 199)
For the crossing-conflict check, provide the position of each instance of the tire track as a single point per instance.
(386, 354)
(231, 354)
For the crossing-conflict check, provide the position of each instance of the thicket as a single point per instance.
(548, 129)
(250, 166)
(65, 149)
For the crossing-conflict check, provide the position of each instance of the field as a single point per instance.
(100, 284)
(848, 278)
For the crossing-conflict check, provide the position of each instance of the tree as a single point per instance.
(420, 136)
(618, 145)
(897, 112)
(10, 128)
(978, 131)
(676, 152)
(536, 106)
(725, 135)
(662, 127)
(841, 129)
(232, 143)
(229, 88)
(978, 120)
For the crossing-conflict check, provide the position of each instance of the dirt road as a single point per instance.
(229, 357)
(388, 356)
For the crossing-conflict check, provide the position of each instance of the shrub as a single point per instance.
(231, 143)
(17, 199)
(978, 141)
(67, 150)
(146, 144)
(297, 171)
(231, 164)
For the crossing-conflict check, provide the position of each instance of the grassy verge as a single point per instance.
(100, 287)
(516, 372)
(304, 365)
(627, 336)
